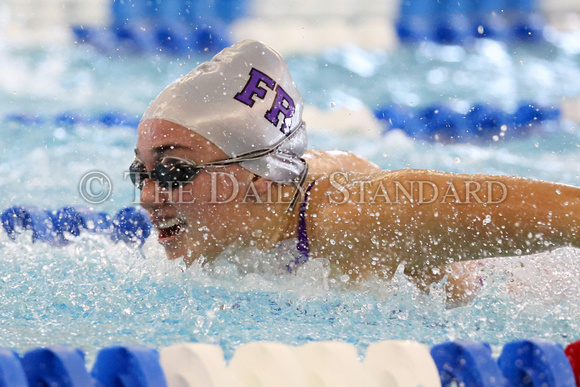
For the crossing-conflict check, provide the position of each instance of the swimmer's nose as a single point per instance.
(152, 195)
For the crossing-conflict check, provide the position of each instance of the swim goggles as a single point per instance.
(174, 172)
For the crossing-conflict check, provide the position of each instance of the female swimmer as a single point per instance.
(221, 160)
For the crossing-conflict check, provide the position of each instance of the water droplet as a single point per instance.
(59, 133)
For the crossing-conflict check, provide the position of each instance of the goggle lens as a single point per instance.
(138, 174)
(170, 173)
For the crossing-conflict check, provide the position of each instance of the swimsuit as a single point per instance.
(302, 245)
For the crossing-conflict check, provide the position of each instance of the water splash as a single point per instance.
(94, 293)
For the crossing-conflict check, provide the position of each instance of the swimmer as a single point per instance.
(221, 161)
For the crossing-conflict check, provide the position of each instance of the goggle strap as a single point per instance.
(252, 155)
(299, 187)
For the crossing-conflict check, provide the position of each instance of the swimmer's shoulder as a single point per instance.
(325, 162)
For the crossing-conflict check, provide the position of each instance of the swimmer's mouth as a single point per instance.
(170, 229)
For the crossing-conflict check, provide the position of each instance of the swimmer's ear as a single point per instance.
(261, 184)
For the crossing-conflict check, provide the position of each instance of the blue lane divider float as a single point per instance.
(135, 366)
(522, 363)
(536, 363)
(56, 366)
(467, 363)
(69, 119)
(453, 22)
(11, 371)
(129, 224)
(433, 123)
(483, 123)
(132, 365)
(173, 27)
(42, 223)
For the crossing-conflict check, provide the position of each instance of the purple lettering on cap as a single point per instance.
(282, 104)
(253, 87)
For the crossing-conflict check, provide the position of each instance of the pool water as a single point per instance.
(94, 293)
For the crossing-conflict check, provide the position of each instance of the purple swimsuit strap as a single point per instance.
(302, 246)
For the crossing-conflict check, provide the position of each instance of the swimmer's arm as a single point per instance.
(463, 279)
(521, 216)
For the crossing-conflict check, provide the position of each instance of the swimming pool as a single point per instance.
(94, 293)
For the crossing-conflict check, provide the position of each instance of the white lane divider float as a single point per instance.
(396, 363)
(267, 364)
(333, 364)
(195, 364)
(401, 363)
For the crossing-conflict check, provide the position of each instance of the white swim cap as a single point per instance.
(243, 100)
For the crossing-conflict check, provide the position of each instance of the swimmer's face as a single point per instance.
(203, 216)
